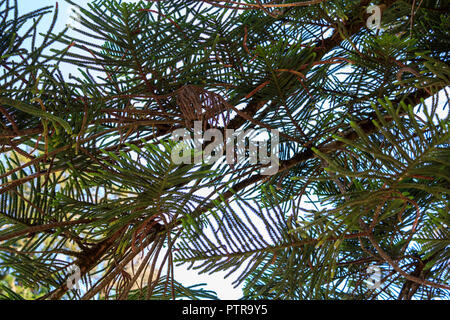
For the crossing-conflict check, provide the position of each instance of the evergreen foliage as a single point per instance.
(87, 178)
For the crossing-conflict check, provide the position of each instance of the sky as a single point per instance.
(223, 287)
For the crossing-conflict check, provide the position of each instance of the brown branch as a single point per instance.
(91, 258)
(44, 227)
(397, 268)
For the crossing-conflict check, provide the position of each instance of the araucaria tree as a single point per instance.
(359, 206)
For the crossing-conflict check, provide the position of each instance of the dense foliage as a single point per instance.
(87, 178)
